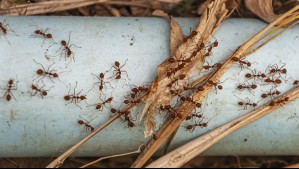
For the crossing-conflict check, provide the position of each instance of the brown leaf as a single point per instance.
(262, 8)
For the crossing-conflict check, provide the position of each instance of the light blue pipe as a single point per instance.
(35, 127)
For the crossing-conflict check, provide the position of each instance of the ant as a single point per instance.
(8, 94)
(255, 75)
(132, 100)
(243, 86)
(192, 34)
(3, 28)
(117, 72)
(43, 33)
(126, 115)
(43, 72)
(274, 69)
(68, 53)
(271, 94)
(171, 111)
(189, 99)
(75, 97)
(181, 77)
(215, 66)
(216, 85)
(273, 81)
(101, 82)
(86, 125)
(246, 103)
(100, 106)
(40, 90)
(242, 62)
(281, 101)
(192, 127)
(173, 71)
(194, 115)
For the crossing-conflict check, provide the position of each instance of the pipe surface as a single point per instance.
(34, 127)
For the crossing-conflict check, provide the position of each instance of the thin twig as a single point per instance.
(113, 156)
(185, 153)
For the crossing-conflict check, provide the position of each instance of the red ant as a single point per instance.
(40, 90)
(281, 101)
(241, 62)
(215, 66)
(43, 72)
(126, 115)
(8, 94)
(3, 28)
(192, 34)
(86, 125)
(246, 103)
(273, 81)
(132, 100)
(43, 34)
(171, 111)
(100, 106)
(67, 49)
(118, 72)
(75, 97)
(194, 115)
(274, 69)
(189, 99)
(216, 85)
(102, 83)
(192, 127)
(255, 75)
(173, 71)
(181, 77)
(243, 86)
(271, 94)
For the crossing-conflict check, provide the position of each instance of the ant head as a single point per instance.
(183, 98)
(220, 87)
(131, 124)
(117, 64)
(254, 104)
(248, 64)
(67, 98)
(110, 99)
(63, 43)
(168, 74)
(268, 80)
(55, 75)
(172, 92)
(102, 75)
(132, 96)
(253, 86)
(91, 129)
(295, 82)
(205, 125)
(10, 82)
(126, 101)
(264, 95)
(33, 87)
(83, 97)
(37, 32)
(235, 59)
(200, 88)
(278, 81)
(272, 71)
(210, 82)
(118, 77)
(167, 107)
(263, 75)
(248, 75)
(190, 127)
(44, 93)
(284, 71)
(98, 107)
(241, 103)
(40, 72)
(101, 88)
(49, 36)
(135, 90)
(198, 105)
(194, 33)
(162, 108)
(182, 77)
(188, 118)
(215, 44)
(277, 92)
(8, 97)
(171, 60)
(286, 99)
(206, 67)
(272, 103)
(126, 113)
(81, 122)
(113, 110)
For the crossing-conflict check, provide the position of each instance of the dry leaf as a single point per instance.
(159, 92)
(160, 13)
(263, 9)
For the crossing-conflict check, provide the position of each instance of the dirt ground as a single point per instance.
(187, 8)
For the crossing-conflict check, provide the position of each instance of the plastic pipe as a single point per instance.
(34, 127)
